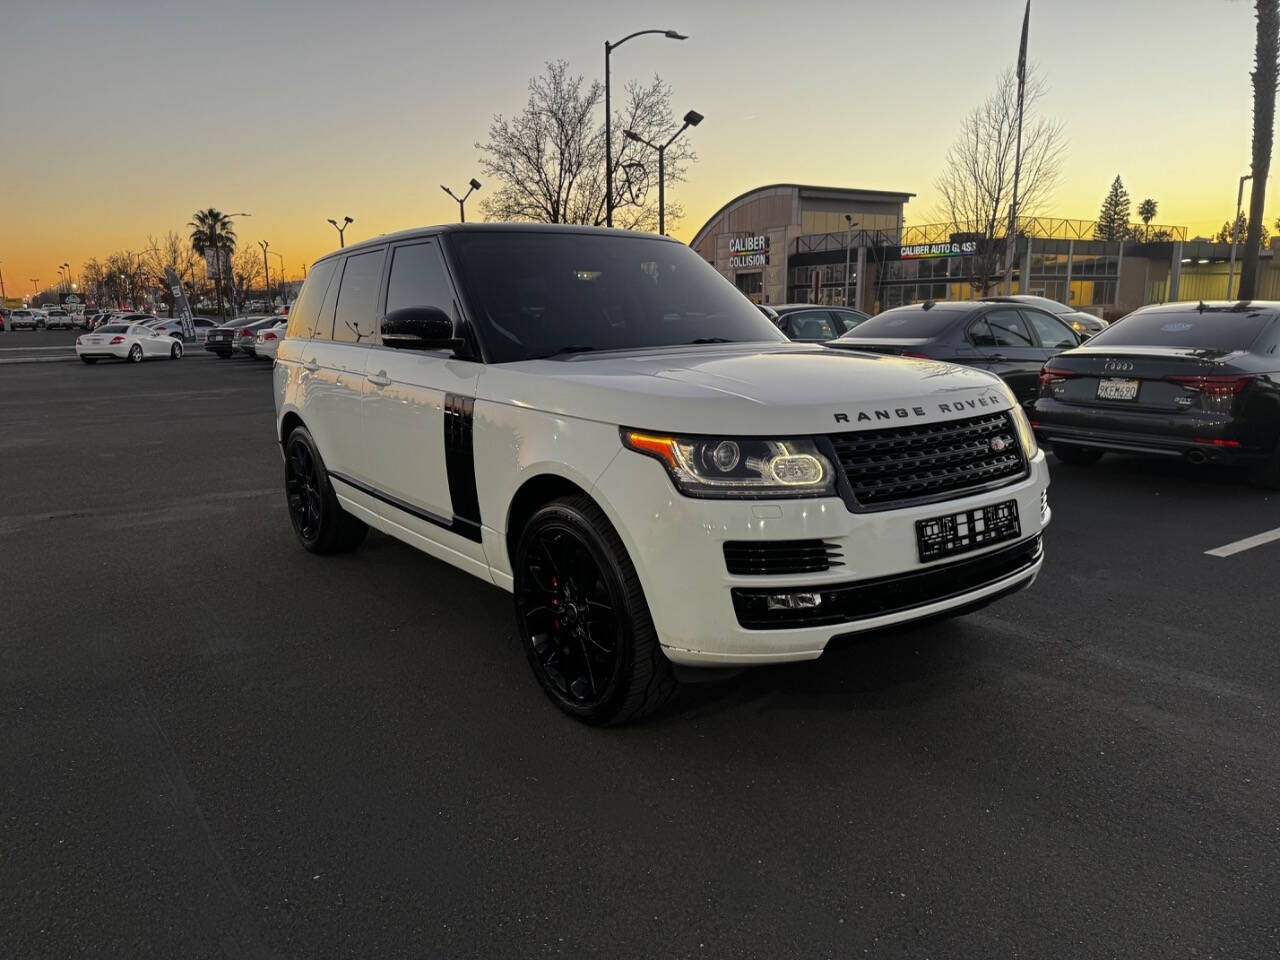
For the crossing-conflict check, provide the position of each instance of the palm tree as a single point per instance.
(1266, 51)
(1147, 212)
(212, 230)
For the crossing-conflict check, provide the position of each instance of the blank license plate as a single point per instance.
(1112, 388)
(968, 530)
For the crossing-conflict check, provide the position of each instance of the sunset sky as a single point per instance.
(121, 117)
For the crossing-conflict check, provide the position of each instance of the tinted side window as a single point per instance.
(1053, 333)
(302, 318)
(1008, 330)
(356, 319)
(418, 279)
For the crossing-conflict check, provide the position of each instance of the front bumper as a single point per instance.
(677, 546)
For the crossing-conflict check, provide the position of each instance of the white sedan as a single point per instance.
(268, 341)
(126, 341)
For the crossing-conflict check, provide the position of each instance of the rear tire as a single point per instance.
(1076, 456)
(135, 353)
(176, 351)
(319, 521)
(89, 359)
(583, 619)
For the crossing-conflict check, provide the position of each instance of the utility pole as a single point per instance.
(346, 222)
(1235, 233)
(848, 247)
(691, 119)
(462, 210)
(608, 116)
(266, 273)
(2, 293)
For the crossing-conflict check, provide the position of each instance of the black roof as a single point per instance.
(451, 228)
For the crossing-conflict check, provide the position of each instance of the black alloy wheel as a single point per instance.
(302, 488)
(583, 619)
(319, 521)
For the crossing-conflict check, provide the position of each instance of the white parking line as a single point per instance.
(1248, 543)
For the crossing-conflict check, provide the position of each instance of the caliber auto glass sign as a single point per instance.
(745, 252)
(927, 251)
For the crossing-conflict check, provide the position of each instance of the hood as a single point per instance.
(745, 389)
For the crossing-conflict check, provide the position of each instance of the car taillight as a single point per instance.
(117, 339)
(268, 336)
(78, 343)
(1214, 386)
(1217, 442)
(1050, 375)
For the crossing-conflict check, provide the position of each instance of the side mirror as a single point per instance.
(419, 328)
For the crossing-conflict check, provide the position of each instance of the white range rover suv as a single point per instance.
(599, 423)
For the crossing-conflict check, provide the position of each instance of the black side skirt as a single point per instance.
(462, 527)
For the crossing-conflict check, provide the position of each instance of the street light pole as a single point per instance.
(346, 222)
(284, 290)
(2, 293)
(848, 247)
(462, 210)
(266, 272)
(1235, 233)
(691, 119)
(608, 116)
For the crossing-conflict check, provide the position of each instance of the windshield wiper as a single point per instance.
(709, 340)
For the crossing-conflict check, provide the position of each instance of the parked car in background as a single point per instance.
(24, 320)
(172, 327)
(267, 341)
(814, 323)
(1010, 340)
(58, 319)
(1084, 324)
(1196, 381)
(126, 341)
(221, 340)
(246, 336)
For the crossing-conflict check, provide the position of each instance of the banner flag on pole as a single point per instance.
(1022, 49)
(180, 305)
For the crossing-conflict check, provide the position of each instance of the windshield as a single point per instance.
(1216, 331)
(539, 294)
(906, 322)
(114, 328)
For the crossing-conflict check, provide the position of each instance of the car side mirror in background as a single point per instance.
(420, 328)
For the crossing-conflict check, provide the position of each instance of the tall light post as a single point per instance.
(848, 247)
(284, 290)
(608, 116)
(691, 119)
(346, 222)
(266, 271)
(462, 210)
(2, 293)
(61, 278)
(67, 268)
(1235, 233)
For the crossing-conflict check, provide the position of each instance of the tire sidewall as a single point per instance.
(176, 351)
(135, 354)
(560, 515)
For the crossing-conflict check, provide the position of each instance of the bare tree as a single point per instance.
(172, 251)
(976, 184)
(1266, 51)
(246, 270)
(548, 160)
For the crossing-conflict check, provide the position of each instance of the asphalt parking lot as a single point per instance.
(221, 746)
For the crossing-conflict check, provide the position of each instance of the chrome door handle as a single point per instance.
(379, 379)
(311, 366)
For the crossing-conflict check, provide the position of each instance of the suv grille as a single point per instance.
(902, 464)
(778, 557)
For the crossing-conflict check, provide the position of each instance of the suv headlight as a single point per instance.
(738, 466)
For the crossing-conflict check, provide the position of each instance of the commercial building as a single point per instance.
(791, 243)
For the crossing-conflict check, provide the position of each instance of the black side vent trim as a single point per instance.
(460, 460)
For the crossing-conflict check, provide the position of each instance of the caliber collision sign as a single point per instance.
(928, 251)
(747, 252)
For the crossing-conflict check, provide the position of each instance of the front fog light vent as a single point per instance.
(793, 601)
(773, 558)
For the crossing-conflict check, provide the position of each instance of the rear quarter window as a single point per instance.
(305, 310)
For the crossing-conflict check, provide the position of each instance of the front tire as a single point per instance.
(1076, 456)
(583, 619)
(176, 351)
(135, 353)
(319, 521)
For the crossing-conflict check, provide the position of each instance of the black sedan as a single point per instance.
(1011, 340)
(812, 322)
(1197, 381)
(223, 340)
